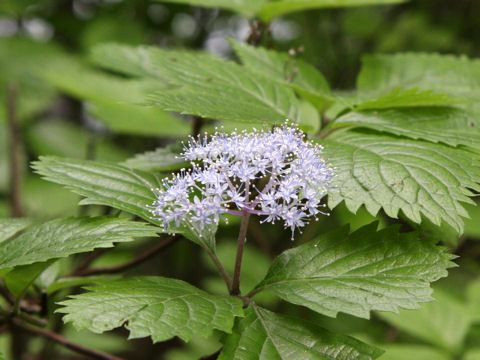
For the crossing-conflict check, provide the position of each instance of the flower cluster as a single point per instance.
(275, 174)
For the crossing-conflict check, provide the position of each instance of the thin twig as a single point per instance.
(242, 239)
(221, 269)
(15, 170)
(90, 259)
(67, 343)
(197, 123)
(116, 269)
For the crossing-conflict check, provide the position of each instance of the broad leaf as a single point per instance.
(287, 70)
(399, 74)
(443, 322)
(161, 159)
(117, 186)
(63, 237)
(393, 173)
(272, 9)
(244, 7)
(264, 335)
(214, 88)
(11, 226)
(103, 184)
(360, 272)
(458, 126)
(151, 306)
(74, 281)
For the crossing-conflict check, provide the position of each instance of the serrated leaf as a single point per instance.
(443, 322)
(67, 282)
(264, 335)
(161, 159)
(103, 183)
(393, 173)
(458, 126)
(287, 70)
(151, 306)
(126, 59)
(63, 237)
(117, 186)
(214, 88)
(11, 226)
(457, 77)
(275, 8)
(366, 270)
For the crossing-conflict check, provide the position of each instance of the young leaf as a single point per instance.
(393, 173)
(275, 8)
(151, 306)
(103, 184)
(287, 70)
(366, 270)
(264, 335)
(444, 322)
(214, 88)
(63, 237)
(11, 226)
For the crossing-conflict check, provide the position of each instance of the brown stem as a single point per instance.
(88, 260)
(197, 123)
(221, 269)
(15, 170)
(116, 269)
(242, 239)
(64, 342)
(257, 30)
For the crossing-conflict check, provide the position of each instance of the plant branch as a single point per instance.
(138, 260)
(66, 343)
(242, 239)
(221, 269)
(15, 170)
(257, 30)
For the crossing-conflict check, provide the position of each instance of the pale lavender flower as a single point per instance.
(275, 174)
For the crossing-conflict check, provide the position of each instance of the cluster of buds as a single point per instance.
(275, 174)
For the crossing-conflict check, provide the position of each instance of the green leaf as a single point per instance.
(459, 126)
(393, 173)
(264, 335)
(244, 7)
(444, 322)
(472, 354)
(126, 59)
(357, 273)
(161, 159)
(103, 183)
(63, 237)
(412, 352)
(21, 277)
(151, 306)
(280, 7)
(214, 88)
(117, 186)
(473, 298)
(287, 70)
(115, 100)
(408, 98)
(11, 226)
(66, 282)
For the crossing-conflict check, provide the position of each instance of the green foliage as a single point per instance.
(63, 237)
(159, 307)
(103, 183)
(356, 273)
(393, 173)
(9, 227)
(21, 277)
(263, 335)
(214, 88)
(161, 159)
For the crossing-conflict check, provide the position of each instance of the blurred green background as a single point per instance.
(67, 106)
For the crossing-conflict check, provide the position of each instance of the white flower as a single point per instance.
(276, 174)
